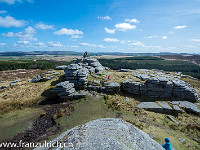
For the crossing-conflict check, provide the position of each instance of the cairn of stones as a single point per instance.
(161, 87)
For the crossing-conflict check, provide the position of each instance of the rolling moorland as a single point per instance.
(25, 106)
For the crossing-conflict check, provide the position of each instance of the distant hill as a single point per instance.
(193, 58)
(21, 53)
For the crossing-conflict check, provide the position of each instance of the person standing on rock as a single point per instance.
(167, 145)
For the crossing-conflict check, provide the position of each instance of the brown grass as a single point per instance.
(22, 95)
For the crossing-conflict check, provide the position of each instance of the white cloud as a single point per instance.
(10, 1)
(150, 37)
(180, 27)
(105, 18)
(43, 26)
(137, 44)
(27, 35)
(2, 44)
(132, 20)
(164, 37)
(76, 36)
(9, 21)
(23, 42)
(52, 44)
(39, 44)
(190, 46)
(110, 40)
(195, 40)
(124, 27)
(110, 31)
(13, 1)
(9, 34)
(171, 32)
(65, 31)
(73, 46)
(125, 41)
(91, 45)
(3, 12)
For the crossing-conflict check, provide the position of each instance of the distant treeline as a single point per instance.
(194, 58)
(29, 64)
(148, 62)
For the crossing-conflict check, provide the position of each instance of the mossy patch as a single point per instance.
(17, 121)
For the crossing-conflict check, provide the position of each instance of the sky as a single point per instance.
(129, 26)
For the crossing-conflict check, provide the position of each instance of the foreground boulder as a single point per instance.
(106, 134)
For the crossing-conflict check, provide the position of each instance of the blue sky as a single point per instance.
(134, 26)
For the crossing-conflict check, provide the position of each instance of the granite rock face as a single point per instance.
(187, 106)
(163, 107)
(60, 67)
(162, 87)
(77, 73)
(113, 87)
(106, 134)
(64, 90)
(152, 106)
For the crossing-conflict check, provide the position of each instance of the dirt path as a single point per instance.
(41, 127)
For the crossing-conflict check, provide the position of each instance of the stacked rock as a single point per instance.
(77, 74)
(60, 67)
(161, 87)
(64, 90)
(131, 86)
(91, 64)
(113, 87)
(183, 90)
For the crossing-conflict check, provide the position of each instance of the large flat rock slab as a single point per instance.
(152, 106)
(106, 134)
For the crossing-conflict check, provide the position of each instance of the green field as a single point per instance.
(148, 62)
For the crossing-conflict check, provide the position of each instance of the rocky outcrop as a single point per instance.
(92, 64)
(151, 106)
(187, 106)
(77, 73)
(161, 87)
(107, 133)
(60, 67)
(64, 90)
(113, 87)
(163, 107)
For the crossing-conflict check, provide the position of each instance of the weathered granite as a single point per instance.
(65, 90)
(105, 134)
(61, 67)
(113, 87)
(187, 106)
(152, 106)
(3, 87)
(172, 119)
(160, 86)
(125, 70)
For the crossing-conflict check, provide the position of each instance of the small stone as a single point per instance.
(127, 99)
(171, 118)
(182, 140)
(3, 87)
